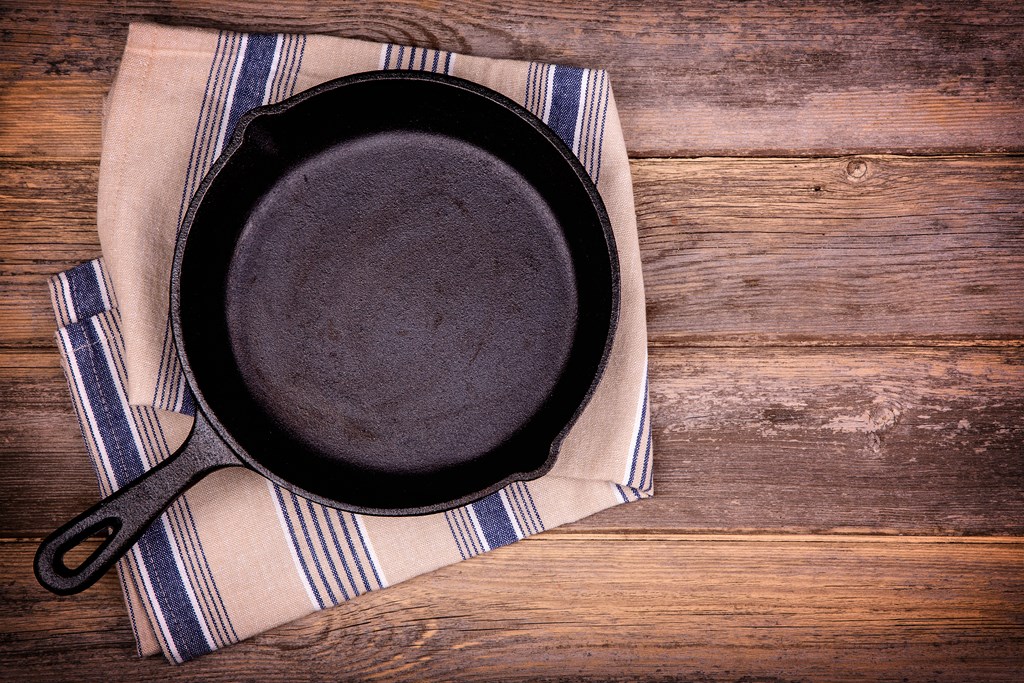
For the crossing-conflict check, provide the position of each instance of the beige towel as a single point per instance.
(238, 555)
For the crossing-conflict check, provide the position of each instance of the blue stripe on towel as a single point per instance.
(539, 88)
(527, 98)
(327, 553)
(197, 139)
(396, 59)
(471, 535)
(215, 113)
(312, 550)
(355, 555)
(331, 526)
(86, 290)
(645, 471)
(639, 437)
(188, 404)
(525, 523)
(585, 136)
(466, 534)
(169, 587)
(600, 134)
(460, 539)
(295, 544)
(294, 68)
(533, 505)
(194, 558)
(366, 551)
(529, 510)
(252, 79)
(565, 102)
(455, 536)
(88, 427)
(286, 53)
(495, 521)
(111, 421)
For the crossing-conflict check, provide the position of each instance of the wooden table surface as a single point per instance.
(831, 209)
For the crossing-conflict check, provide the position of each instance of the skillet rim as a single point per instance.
(237, 141)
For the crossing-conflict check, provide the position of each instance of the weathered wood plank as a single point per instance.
(756, 254)
(51, 118)
(841, 250)
(802, 439)
(696, 608)
(845, 250)
(894, 440)
(48, 214)
(715, 78)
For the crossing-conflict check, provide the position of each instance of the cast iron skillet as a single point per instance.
(392, 294)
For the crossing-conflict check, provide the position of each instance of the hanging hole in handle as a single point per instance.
(85, 546)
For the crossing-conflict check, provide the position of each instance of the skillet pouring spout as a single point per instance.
(127, 513)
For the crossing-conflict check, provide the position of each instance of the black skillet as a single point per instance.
(393, 294)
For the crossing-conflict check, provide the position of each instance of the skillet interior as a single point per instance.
(395, 293)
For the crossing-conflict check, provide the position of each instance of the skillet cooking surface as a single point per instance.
(395, 316)
(395, 293)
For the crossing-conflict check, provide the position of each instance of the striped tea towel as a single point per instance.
(237, 555)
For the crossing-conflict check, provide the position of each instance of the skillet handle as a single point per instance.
(125, 514)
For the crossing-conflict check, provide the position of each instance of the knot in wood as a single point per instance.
(857, 168)
(883, 416)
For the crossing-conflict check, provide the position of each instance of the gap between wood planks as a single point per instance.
(722, 77)
(770, 608)
(784, 252)
(756, 440)
(571, 534)
(85, 160)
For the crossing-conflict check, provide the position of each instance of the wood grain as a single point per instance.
(832, 251)
(715, 78)
(674, 607)
(897, 441)
(49, 213)
(837, 353)
(850, 250)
